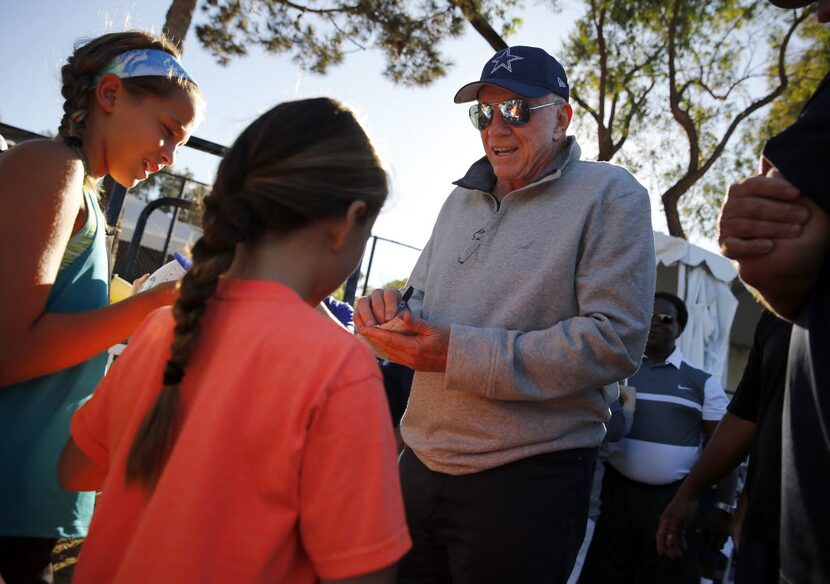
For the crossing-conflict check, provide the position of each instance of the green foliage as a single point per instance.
(319, 34)
(612, 58)
(810, 64)
(399, 284)
(679, 79)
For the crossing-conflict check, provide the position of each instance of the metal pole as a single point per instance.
(138, 232)
(369, 267)
(117, 193)
(351, 286)
(172, 222)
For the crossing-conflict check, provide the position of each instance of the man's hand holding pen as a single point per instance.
(413, 342)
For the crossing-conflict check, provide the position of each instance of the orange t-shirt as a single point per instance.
(284, 467)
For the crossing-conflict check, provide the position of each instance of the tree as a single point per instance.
(808, 67)
(689, 67)
(177, 21)
(319, 37)
(612, 63)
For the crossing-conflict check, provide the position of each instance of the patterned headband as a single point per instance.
(145, 63)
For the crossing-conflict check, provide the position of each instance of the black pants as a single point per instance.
(624, 548)
(26, 560)
(519, 523)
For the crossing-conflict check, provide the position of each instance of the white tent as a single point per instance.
(722, 314)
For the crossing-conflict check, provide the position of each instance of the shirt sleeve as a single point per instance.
(603, 343)
(747, 399)
(800, 152)
(714, 400)
(89, 425)
(351, 512)
(619, 424)
(98, 425)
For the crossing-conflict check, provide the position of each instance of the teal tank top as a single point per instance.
(35, 414)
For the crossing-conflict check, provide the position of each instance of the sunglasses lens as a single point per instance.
(515, 112)
(665, 318)
(480, 115)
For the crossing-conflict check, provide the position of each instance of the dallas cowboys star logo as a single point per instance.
(505, 59)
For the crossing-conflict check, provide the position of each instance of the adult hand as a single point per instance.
(379, 307)
(671, 538)
(419, 345)
(758, 210)
(715, 528)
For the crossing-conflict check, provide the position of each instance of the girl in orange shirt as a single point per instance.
(242, 436)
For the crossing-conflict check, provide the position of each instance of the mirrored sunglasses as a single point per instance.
(515, 112)
(664, 318)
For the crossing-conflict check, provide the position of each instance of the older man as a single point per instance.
(777, 227)
(531, 299)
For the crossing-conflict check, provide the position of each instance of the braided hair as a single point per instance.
(298, 163)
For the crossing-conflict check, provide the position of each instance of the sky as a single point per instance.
(424, 139)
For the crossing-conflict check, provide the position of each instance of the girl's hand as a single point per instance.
(138, 282)
(164, 294)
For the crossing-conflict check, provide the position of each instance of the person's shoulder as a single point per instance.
(685, 365)
(44, 154)
(608, 170)
(43, 163)
(609, 181)
(357, 361)
(158, 324)
(694, 375)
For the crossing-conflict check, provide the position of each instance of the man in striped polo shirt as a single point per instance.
(677, 405)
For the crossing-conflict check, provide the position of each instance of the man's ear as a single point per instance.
(564, 114)
(108, 91)
(569, 111)
(345, 225)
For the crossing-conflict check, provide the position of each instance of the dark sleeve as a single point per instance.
(747, 398)
(801, 152)
(618, 425)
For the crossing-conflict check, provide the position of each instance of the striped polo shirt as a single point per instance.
(673, 399)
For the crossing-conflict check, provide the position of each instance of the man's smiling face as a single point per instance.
(518, 154)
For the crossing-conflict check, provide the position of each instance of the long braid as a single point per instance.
(227, 221)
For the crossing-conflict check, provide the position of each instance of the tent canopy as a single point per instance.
(722, 314)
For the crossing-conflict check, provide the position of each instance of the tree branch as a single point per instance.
(471, 11)
(301, 8)
(585, 105)
(695, 169)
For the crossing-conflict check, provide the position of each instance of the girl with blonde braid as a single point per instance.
(129, 106)
(243, 436)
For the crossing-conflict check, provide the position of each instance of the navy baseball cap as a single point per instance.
(527, 71)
